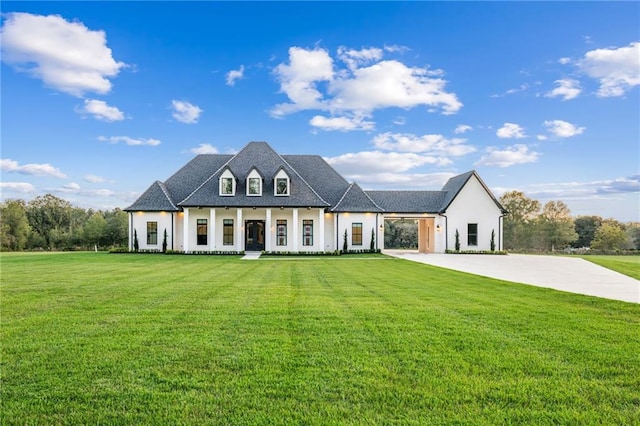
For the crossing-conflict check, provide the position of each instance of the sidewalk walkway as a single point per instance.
(251, 255)
(569, 274)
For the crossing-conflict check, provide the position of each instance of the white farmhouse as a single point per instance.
(260, 200)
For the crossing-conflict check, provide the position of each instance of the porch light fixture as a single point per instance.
(438, 228)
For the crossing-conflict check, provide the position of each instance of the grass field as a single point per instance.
(89, 338)
(628, 265)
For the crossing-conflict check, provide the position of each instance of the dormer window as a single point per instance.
(227, 183)
(254, 184)
(281, 184)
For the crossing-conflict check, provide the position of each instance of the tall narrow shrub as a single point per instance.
(457, 240)
(372, 246)
(136, 244)
(164, 241)
(345, 245)
(493, 240)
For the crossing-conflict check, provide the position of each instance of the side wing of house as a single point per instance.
(472, 211)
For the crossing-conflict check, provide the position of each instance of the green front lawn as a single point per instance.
(628, 265)
(90, 338)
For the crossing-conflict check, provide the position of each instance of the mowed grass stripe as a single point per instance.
(120, 339)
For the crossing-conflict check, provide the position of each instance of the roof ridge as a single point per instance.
(300, 176)
(209, 178)
(367, 195)
(343, 196)
(163, 187)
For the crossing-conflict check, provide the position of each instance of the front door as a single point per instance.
(254, 235)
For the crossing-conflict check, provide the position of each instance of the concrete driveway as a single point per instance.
(570, 274)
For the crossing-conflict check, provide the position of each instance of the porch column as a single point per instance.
(212, 229)
(296, 226)
(239, 230)
(321, 228)
(267, 231)
(185, 230)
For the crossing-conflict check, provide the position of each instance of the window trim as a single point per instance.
(307, 237)
(472, 237)
(281, 232)
(199, 224)
(227, 237)
(151, 232)
(355, 234)
(275, 186)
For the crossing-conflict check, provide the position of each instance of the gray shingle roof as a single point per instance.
(259, 156)
(155, 198)
(408, 201)
(313, 183)
(355, 200)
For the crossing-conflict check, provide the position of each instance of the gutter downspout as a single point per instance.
(172, 236)
(337, 231)
(500, 221)
(130, 231)
(446, 232)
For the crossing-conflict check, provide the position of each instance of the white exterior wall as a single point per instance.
(318, 229)
(474, 205)
(139, 224)
(368, 220)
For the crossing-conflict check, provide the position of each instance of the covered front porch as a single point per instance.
(252, 229)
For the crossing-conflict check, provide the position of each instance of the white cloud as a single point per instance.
(204, 148)
(406, 181)
(567, 89)
(400, 121)
(462, 128)
(355, 58)
(234, 75)
(542, 137)
(585, 190)
(66, 56)
(563, 129)
(312, 81)
(129, 141)
(510, 156)
(94, 179)
(617, 69)
(74, 188)
(436, 145)
(100, 110)
(374, 162)
(46, 169)
(343, 124)
(519, 89)
(17, 187)
(564, 61)
(185, 112)
(511, 131)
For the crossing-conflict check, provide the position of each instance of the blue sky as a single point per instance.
(101, 99)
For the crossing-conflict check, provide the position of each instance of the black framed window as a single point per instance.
(472, 234)
(281, 232)
(202, 232)
(307, 232)
(356, 234)
(254, 186)
(226, 186)
(227, 232)
(282, 186)
(152, 232)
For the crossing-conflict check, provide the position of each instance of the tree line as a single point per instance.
(50, 223)
(531, 226)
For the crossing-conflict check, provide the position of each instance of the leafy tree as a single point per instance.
(610, 236)
(586, 227)
(94, 229)
(633, 230)
(117, 230)
(14, 225)
(400, 234)
(519, 223)
(50, 217)
(557, 227)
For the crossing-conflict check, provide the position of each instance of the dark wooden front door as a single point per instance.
(254, 235)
